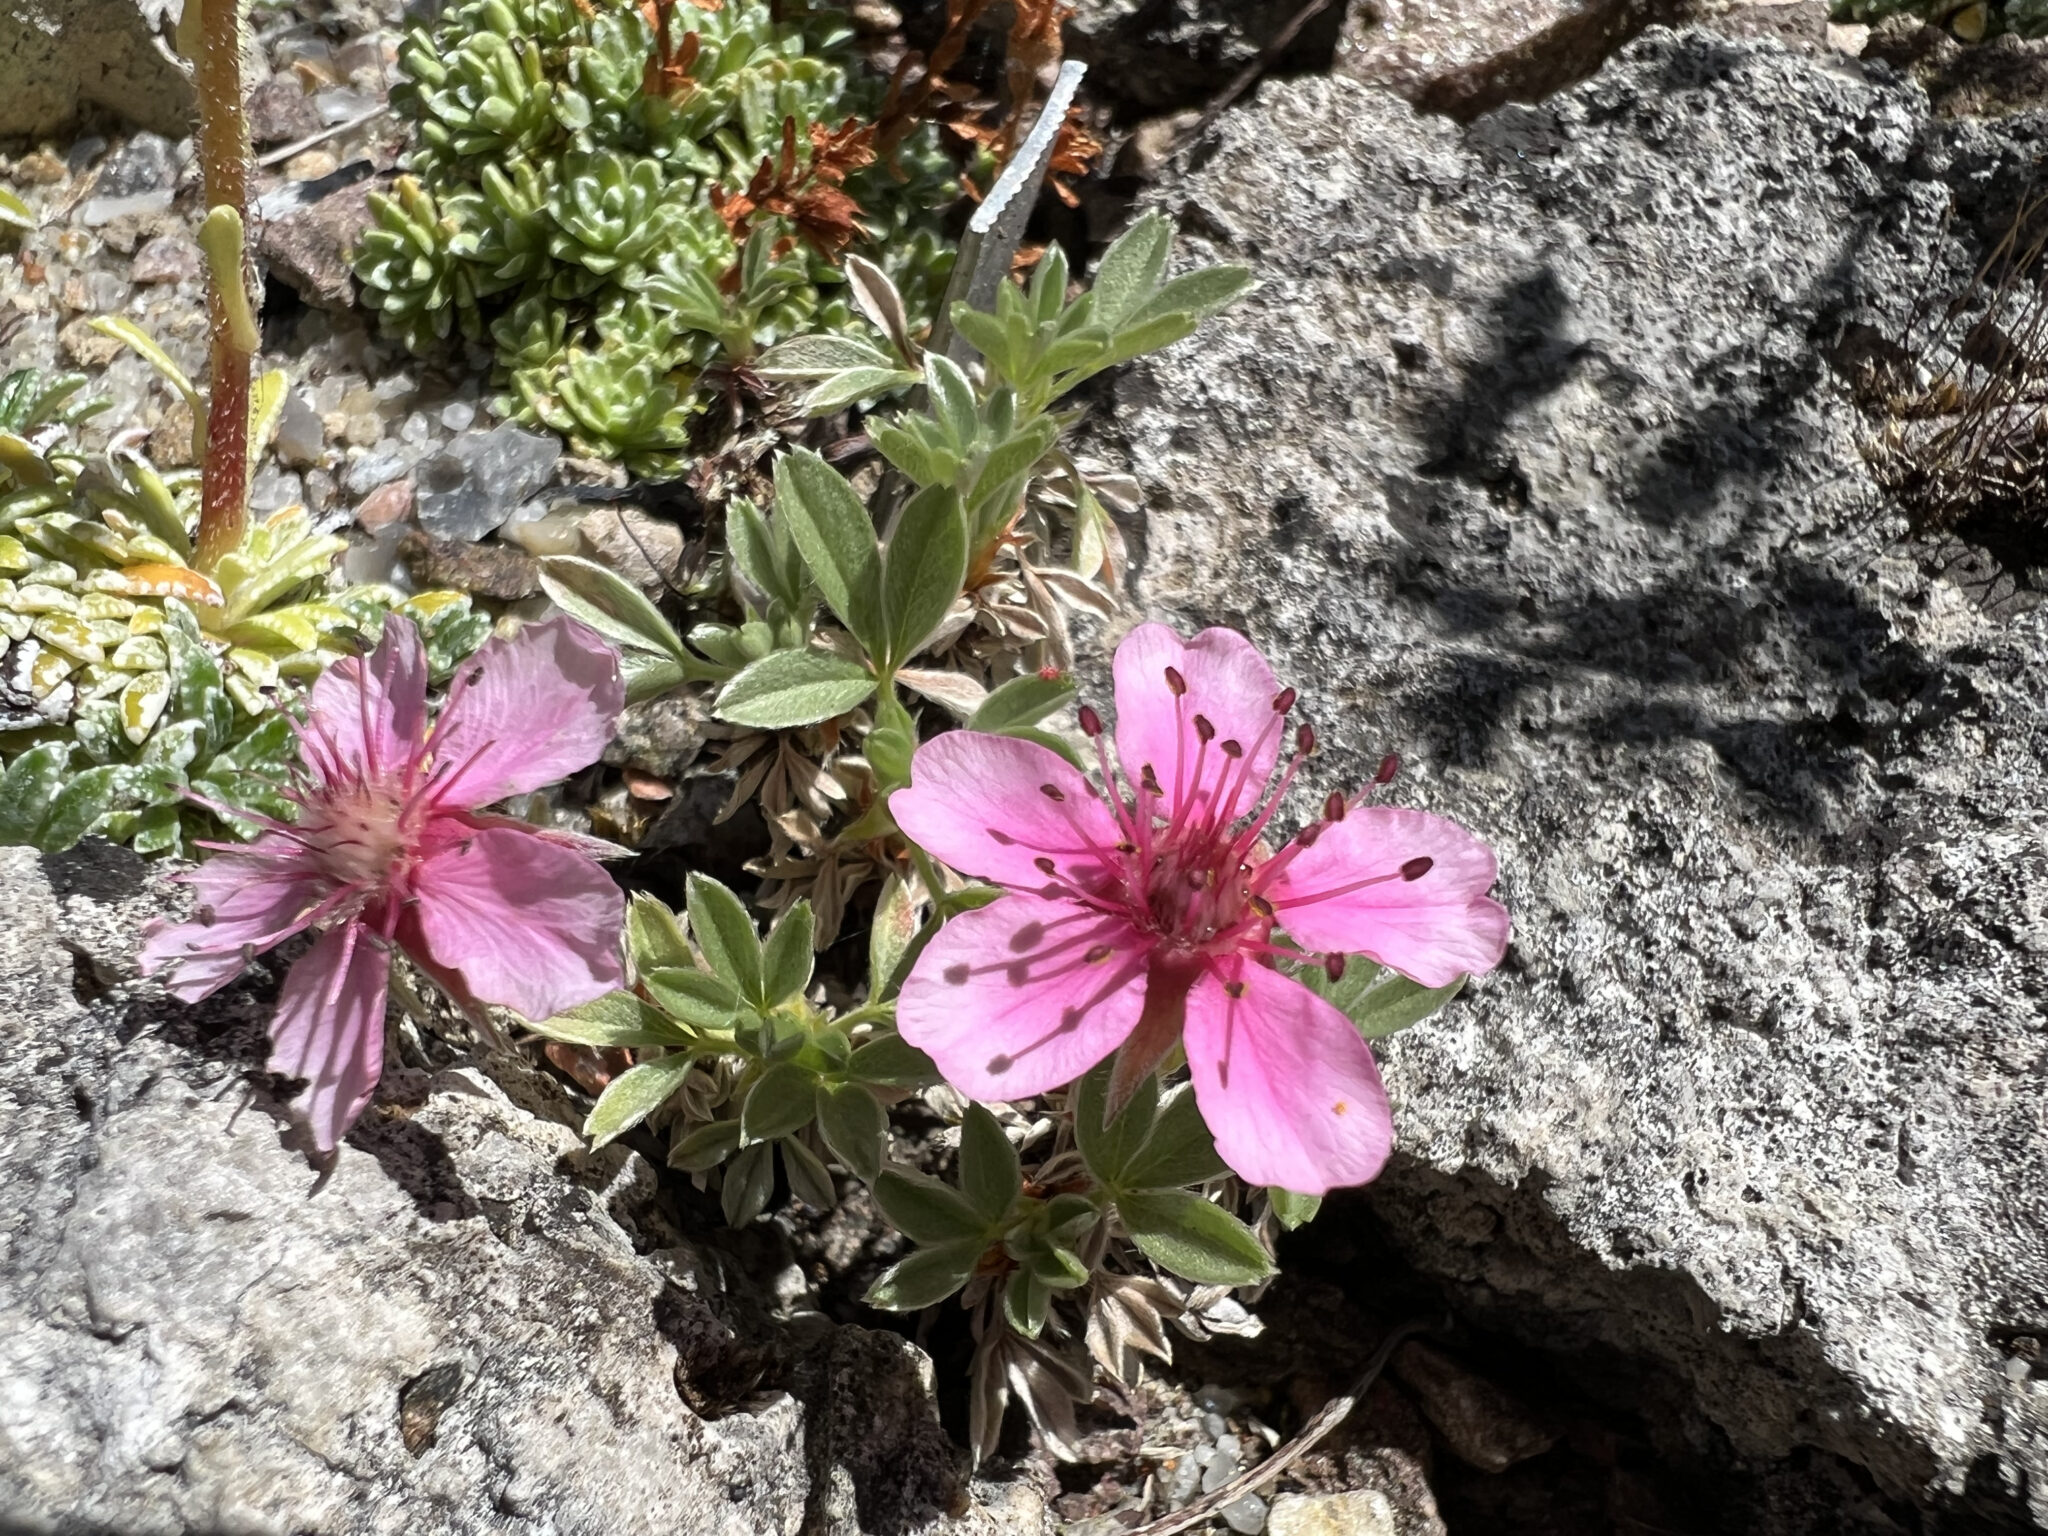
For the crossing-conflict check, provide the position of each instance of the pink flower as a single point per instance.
(389, 849)
(1148, 917)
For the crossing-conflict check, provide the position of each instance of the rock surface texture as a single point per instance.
(474, 1324)
(1529, 462)
(58, 57)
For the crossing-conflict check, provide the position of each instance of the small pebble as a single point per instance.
(144, 164)
(1214, 1425)
(311, 165)
(274, 489)
(341, 105)
(458, 416)
(1247, 1515)
(301, 435)
(320, 491)
(363, 429)
(385, 505)
(83, 152)
(394, 386)
(39, 168)
(417, 429)
(104, 210)
(381, 465)
(167, 259)
(2016, 1369)
(471, 486)
(1222, 1466)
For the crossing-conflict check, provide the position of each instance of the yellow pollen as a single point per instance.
(1340, 1107)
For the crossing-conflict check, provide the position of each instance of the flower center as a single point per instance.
(358, 830)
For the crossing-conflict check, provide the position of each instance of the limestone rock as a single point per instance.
(473, 1325)
(58, 57)
(1527, 461)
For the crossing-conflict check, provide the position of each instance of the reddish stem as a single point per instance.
(224, 160)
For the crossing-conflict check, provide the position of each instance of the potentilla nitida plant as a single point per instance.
(1146, 913)
(391, 850)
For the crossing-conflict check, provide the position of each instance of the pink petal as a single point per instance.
(247, 904)
(1228, 684)
(528, 924)
(1023, 995)
(526, 712)
(329, 1029)
(1433, 929)
(365, 720)
(978, 803)
(1285, 1082)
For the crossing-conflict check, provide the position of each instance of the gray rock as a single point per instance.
(58, 57)
(1358, 1513)
(169, 259)
(380, 466)
(1529, 463)
(301, 439)
(469, 488)
(473, 1324)
(280, 112)
(144, 164)
(1162, 56)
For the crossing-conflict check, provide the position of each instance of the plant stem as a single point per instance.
(224, 161)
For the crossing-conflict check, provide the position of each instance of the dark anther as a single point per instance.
(1263, 907)
(957, 975)
(1052, 792)
(1389, 766)
(1334, 807)
(1233, 749)
(1333, 967)
(1305, 738)
(1204, 729)
(1000, 837)
(1416, 868)
(1149, 782)
(1046, 865)
(1091, 722)
(1283, 701)
(1127, 847)
(1176, 682)
(1001, 1063)
(1306, 837)
(1098, 954)
(1234, 988)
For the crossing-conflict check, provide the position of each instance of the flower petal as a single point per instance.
(329, 1029)
(978, 802)
(525, 712)
(527, 923)
(1228, 684)
(1023, 995)
(1287, 1086)
(1432, 929)
(248, 902)
(365, 719)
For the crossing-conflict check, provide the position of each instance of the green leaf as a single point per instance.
(923, 570)
(890, 1061)
(614, 607)
(1109, 1149)
(757, 553)
(1292, 1209)
(26, 790)
(1180, 1151)
(1129, 271)
(705, 1147)
(617, 1019)
(1380, 1002)
(786, 958)
(1022, 701)
(1200, 294)
(952, 399)
(83, 800)
(634, 1095)
(819, 356)
(1026, 1301)
(988, 336)
(837, 538)
(927, 1277)
(694, 996)
(924, 464)
(854, 384)
(654, 936)
(1187, 1236)
(1014, 458)
(785, 689)
(855, 1127)
(989, 1173)
(895, 925)
(726, 935)
(889, 753)
(14, 213)
(1153, 335)
(809, 1179)
(926, 1211)
(749, 1183)
(783, 1100)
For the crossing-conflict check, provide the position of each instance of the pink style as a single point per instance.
(1148, 917)
(389, 849)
